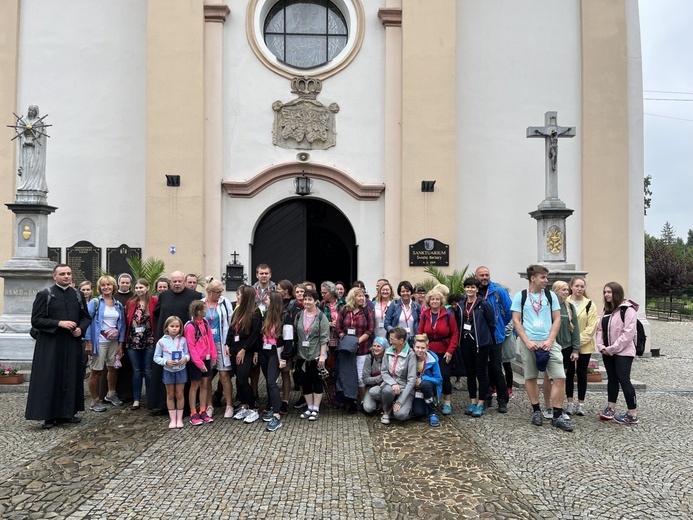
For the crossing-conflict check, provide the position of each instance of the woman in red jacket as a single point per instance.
(441, 328)
(139, 337)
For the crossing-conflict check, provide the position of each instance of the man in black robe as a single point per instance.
(56, 388)
(174, 302)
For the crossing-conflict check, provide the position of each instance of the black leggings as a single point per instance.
(508, 369)
(495, 372)
(570, 371)
(446, 372)
(245, 392)
(269, 363)
(310, 379)
(476, 364)
(618, 370)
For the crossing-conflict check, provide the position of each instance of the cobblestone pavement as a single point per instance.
(123, 464)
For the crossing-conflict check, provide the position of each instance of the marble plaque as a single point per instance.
(85, 260)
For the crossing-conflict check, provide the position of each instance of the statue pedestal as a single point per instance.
(26, 273)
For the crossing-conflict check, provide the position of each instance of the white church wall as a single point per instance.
(85, 66)
(515, 61)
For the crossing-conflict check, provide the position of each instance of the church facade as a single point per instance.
(308, 134)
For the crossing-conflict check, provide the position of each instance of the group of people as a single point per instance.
(396, 353)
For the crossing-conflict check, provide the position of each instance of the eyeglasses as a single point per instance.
(216, 292)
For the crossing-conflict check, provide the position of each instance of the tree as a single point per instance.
(150, 269)
(667, 269)
(689, 242)
(648, 192)
(452, 281)
(668, 234)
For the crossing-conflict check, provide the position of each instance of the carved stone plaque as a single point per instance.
(429, 251)
(85, 260)
(116, 259)
(304, 123)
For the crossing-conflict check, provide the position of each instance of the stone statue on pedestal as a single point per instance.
(31, 161)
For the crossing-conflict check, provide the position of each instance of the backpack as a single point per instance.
(198, 332)
(524, 300)
(640, 336)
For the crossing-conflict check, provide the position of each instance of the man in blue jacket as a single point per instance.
(501, 302)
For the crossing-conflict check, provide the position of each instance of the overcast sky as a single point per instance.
(667, 62)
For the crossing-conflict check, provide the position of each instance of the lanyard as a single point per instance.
(536, 307)
(404, 312)
(434, 323)
(488, 288)
(270, 338)
(308, 321)
(383, 309)
(394, 364)
(468, 308)
(213, 314)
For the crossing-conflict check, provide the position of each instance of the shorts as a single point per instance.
(554, 368)
(220, 359)
(106, 356)
(196, 374)
(175, 378)
(360, 361)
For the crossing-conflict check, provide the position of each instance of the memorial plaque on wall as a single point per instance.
(116, 259)
(429, 251)
(85, 260)
(54, 254)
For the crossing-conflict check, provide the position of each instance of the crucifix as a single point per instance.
(235, 258)
(551, 133)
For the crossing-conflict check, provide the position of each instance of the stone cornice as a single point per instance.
(390, 16)
(216, 12)
(322, 172)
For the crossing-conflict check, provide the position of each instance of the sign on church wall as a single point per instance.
(429, 251)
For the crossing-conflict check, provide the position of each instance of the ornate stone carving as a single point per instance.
(304, 123)
(554, 240)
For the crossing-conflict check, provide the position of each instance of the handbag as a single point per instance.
(348, 343)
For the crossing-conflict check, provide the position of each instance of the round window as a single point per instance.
(305, 34)
(294, 36)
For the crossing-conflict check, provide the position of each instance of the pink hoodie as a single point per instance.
(621, 333)
(203, 346)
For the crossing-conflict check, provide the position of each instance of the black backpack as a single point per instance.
(640, 337)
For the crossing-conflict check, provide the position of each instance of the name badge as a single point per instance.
(381, 325)
(305, 343)
(538, 323)
(351, 332)
(139, 330)
(236, 338)
(467, 326)
(418, 395)
(215, 331)
(207, 357)
(267, 346)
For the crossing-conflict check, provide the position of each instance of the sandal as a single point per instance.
(135, 406)
(306, 415)
(313, 416)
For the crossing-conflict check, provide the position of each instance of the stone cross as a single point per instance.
(551, 132)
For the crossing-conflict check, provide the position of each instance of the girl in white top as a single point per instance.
(172, 353)
(383, 299)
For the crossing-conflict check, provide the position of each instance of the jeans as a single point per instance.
(426, 406)
(618, 370)
(141, 361)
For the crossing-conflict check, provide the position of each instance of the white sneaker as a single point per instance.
(251, 417)
(241, 414)
(570, 408)
(581, 409)
(548, 413)
(385, 418)
(209, 411)
(565, 416)
(229, 412)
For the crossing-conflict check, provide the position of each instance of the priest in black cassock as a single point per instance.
(56, 388)
(174, 302)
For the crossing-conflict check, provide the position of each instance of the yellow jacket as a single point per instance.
(588, 324)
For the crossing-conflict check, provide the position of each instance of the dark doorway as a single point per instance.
(305, 239)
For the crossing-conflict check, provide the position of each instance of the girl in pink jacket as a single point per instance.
(203, 355)
(616, 331)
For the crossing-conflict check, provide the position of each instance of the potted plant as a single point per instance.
(593, 373)
(10, 376)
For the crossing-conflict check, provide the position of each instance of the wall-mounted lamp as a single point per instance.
(303, 184)
(173, 181)
(428, 186)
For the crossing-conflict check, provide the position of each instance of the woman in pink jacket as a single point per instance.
(203, 354)
(616, 332)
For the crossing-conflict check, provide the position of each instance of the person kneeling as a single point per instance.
(372, 376)
(399, 376)
(429, 381)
